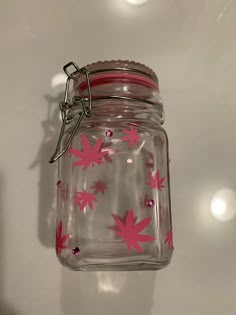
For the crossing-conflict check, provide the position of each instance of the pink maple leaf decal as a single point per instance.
(115, 227)
(132, 136)
(128, 230)
(99, 187)
(84, 198)
(88, 156)
(60, 239)
(169, 239)
(156, 181)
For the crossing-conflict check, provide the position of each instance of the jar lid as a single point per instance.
(130, 65)
(105, 71)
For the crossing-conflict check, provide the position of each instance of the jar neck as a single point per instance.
(115, 109)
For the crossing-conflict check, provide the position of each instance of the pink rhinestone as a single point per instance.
(59, 184)
(151, 203)
(109, 133)
(76, 251)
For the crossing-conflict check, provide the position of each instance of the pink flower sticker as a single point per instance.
(84, 198)
(155, 181)
(123, 219)
(60, 239)
(129, 231)
(169, 239)
(99, 187)
(131, 135)
(88, 156)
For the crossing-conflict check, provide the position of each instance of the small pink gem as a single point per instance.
(76, 251)
(109, 133)
(59, 184)
(151, 203)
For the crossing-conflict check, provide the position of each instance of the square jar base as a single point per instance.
(140, 265)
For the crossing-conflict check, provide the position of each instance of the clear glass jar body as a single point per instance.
(114, 208)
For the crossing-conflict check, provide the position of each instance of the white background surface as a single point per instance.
(191, 46)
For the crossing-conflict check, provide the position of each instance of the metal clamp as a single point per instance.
(66, 105)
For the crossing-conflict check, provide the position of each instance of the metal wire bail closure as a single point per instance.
(66, 106)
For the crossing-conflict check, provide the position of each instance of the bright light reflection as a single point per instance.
(223, 205)
(107, 283)
(218, 207)
(136, 2)
(129, 161)
(58, 79)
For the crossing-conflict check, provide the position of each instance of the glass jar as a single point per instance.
(113, 205)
